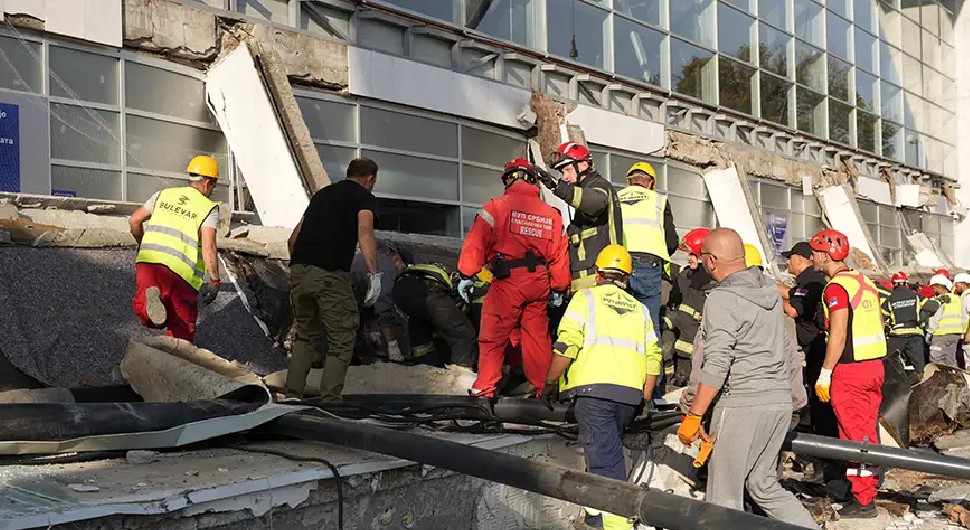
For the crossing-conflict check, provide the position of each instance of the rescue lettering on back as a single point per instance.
(531, 225)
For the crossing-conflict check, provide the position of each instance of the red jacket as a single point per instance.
(513, 224)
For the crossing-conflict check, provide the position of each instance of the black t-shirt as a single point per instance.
(328, 237)
(805, 297)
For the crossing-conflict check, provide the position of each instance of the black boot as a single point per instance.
(854, 510)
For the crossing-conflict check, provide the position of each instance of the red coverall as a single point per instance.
(512, 225)
(181, 300)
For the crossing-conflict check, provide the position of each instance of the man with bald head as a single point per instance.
(745, 368)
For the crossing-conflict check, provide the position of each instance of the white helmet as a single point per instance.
(962, 278)
(939, 279)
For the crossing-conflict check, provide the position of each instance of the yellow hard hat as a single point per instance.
(751, 256)
(642, 166)
(614, 258)
(203, 166)
(485, 275)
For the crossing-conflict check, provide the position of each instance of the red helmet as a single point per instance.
(692, 241)
(569, 153)
(943, 272)
(831, 242)
(900, 277)
(519, 168)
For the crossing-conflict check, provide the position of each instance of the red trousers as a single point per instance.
(856, 396)
(180, 299)
(516, 303)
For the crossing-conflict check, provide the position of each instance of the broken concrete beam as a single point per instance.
(388, 378)
(306, 59)
(550, 116)
(939, 405)
(24, 231)
(74, 219)
(170, 28)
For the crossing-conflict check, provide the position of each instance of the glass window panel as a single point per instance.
(839, 78)
(328, 120)
(810, 109)
(947, 64)
(691, 213)
(335, 160)
(443, 9)
(321, 19)
(734, 33)
(930, 16)
(141, 187)
(862, 15)
(869, 211)
(692, 71)
(396, 130)
(809, 66)
(23, 69)
(693, 20)
(480, 185)
(87, 135)
(892, 137)
(889, 24)
(891, 102)
(154, 144)
(410, 176)
(735, 85)
(838, 35)
(809, 22)
(274, 10)
(867, 86)
(645, 10)
(379, 35)
(773, 50)
(946, 26)
(416, 217)
(774, 99)
(490, 148)
(600, 163)
(685, 183)
(842, 7)
(932, 50)
(637, 49)
(909, 36)
(887, 216)
(83, 76)
(164, 92)
(932, 84)
(890, 64)
(813, 225)
(839, 117)
(912, 110)
(505, 19)
(589, 45)
(87, 183)
(774, 196)
(773, 12)
(914, 148)
(620, 164)
(865, 50)
(867, 124)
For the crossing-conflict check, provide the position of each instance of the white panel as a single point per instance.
(839, 210)
(617, 130)
(727, 195)
(243, 108)
(93, 20)
(907, 195)
(875, 190)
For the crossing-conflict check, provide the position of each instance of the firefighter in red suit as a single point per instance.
(521, 239)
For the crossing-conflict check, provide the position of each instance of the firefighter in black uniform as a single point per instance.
(905, 328)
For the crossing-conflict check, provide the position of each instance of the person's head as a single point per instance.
(829, 250)
(940, 284)
(364, 172)
(203, 174)
(961, 282)
(519, 169)
(722, 253)
(613, 265)
(641, 174)
(401, 256)
(798, 258)
(691, 244)
(573, 160)
(752, 258)
(900, 279)
(942, 272)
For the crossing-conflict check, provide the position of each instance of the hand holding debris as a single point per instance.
(690, 429)
(209, 292)
(373, 288)
(550, 394)
(545, 177)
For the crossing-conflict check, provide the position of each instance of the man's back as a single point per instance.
(328, 236)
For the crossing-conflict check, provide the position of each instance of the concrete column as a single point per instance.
(961, 101)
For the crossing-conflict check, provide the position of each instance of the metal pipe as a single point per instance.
(835, 449)
(655, 508)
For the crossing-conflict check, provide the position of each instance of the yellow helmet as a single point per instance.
(642, 166)
(751, 256)
(203, 166)
(614, 258)
(485, 275)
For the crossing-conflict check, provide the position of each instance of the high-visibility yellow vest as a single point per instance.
(432, 272)
(951, 320)
(643, 221)
(610, 337)
(172, 233)
(966, 317)
(866, 338)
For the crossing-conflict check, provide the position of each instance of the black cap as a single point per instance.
(402, 250)
(802, 248)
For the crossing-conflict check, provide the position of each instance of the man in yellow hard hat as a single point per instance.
(176, 234)
(607, 358)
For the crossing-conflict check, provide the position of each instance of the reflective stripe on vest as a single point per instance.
(963, 304)
(684, 308)
(430, 271)
(866, 331)
(642, 210)
(951, 320)
(172, 233)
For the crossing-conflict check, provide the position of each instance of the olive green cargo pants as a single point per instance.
(322, 301)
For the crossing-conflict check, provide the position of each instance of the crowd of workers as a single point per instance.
(580, 309)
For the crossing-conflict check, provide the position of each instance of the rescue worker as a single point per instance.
(392, 260)
(962, 284)
(521, 239)
(597, 221)
(424, 293)
(176, 234)
(607, 359)
(945, 327)
(746, 371)
(852, 374)
(905, 334)
(648, 235)
(682, 314)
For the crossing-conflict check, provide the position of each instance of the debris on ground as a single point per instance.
(939, 406)
(957, 514)
(141, 457)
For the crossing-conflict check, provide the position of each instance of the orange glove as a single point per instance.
(823, 386)
(690, 429)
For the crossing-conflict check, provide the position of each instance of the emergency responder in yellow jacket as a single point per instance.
(607, 358)
(946, 326)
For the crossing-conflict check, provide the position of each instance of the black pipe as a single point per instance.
(656, 508)
(844, 450)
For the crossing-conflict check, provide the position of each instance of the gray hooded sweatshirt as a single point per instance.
(744, 342)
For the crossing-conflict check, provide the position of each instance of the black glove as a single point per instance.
(644, 409)
(209, 292)
(546, 178)
(550, 394)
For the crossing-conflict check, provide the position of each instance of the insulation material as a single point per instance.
(839, 208)
(908, 195)
(243, 107)
(875, 190)
(927, 253)
(617, 130)
(727, 193)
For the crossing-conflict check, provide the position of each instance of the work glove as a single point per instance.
(465, 287)
(556, 298)
(209, 292)
(550, 394)
(690, 429)
(823, 385)
(373, 288)
(394, 351)
(545, 177)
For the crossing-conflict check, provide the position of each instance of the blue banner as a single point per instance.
(777, 226)
(9, 147)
